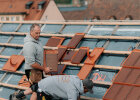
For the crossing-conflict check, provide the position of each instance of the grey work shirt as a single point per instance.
(62, 86)
(32, 51)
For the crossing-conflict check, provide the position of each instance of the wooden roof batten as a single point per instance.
(53, 48)
(71, 35)
(79, 65)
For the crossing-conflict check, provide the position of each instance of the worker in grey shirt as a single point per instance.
(33, 51)
(68, 87)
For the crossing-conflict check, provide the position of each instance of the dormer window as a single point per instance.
(41, 4)
(29, 4)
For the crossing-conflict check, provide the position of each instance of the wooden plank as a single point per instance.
(88, 98)
(5, 57)
(96, 66)
(53, 48)
(16, 72)
(13, 33)
(79, 65)
(68, 63)
(69, 35)
(112, 37)
(102, 83)
(108, 67)
(78, 23)
(13, 86)
(117, 52)
(11, 45)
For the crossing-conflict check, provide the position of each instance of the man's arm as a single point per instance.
(29, 54)
(37, 66)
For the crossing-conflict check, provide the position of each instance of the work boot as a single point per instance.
(20, 95)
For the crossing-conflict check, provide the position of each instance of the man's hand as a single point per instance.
(47, 70)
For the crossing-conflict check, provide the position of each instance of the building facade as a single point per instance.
(19, 10)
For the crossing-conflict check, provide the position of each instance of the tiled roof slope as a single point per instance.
(34, 13)
(119, 8)
(74, 15)
(13, 6)
(117, 38)
(105, 9)
(18, 7)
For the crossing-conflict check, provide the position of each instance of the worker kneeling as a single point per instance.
(60, 87)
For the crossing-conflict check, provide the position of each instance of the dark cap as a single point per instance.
(88, 84)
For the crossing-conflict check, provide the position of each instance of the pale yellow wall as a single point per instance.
(11, 17)
(52, 13)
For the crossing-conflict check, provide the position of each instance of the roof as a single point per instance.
(117, 38)
(105, 9)
(74, 15)
(19, 7)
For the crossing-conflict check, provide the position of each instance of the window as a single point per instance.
(17, 18)
(41, 4)
(13, 18)
(7, 18)
(2, 19)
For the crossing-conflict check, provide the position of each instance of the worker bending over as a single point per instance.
(68, 87)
